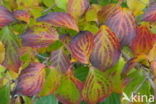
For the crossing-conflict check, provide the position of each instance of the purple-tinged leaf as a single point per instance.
(150, 13)
(60, 19)
(60, 60)
(81, 46)
(6, 17)
(30, 80)
(106, 51)
(39, 39)
(22, 15)
(122, 23)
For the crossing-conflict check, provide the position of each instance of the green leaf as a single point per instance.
(11, 61)
(113, 99)
(81, 72)
(52, 81)
(48, 3)
(97, 87)
(61, 4)
(5, 95)
(51, 99)
(68, 92)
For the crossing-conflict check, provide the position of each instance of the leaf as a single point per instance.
(106, 51)
(59, 19)
(81, 46)
(22, 15)
(77, 8)
(30, 80)
(61, 4)
(91, 14)
(137, 6)
(122, 23)
(52, 82)
(48, 3)
(2, 52)
(143, 41)
(60, 60)
(5, 94)
(51, 99)
(113, 99)
(6, 17)
(39, 39)
(96, 88)
(152, 53)
(106, 12)
(11, 61)
(71, 96)
(150, 13)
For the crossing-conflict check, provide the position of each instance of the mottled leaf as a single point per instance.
(81, 46)
(22, 15)
(60, 60)
(2, 52)
(150, 13)
(11, 61)
(137, 6)
(106, 51)
(39, 39)
(143, 41)
(30, 80)
(52, 82)
(96, 88)
(59, 19)
(77, 7)
(122, 22)
(6, 17)
(68, 92)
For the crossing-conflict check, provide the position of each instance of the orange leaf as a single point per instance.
(143, 41)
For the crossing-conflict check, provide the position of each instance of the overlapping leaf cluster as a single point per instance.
(44, 44)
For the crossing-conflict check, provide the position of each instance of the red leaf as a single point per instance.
(77, 8)
(60, 60)
(81, 46)
(60, 19)
(22, 15)
(143, 41)
(122, 22)
(106, 51)
(30, 80)
(39, 39)
(150, 13)
(5, 17)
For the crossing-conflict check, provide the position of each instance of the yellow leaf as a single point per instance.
(137, 6)
(2, 52)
